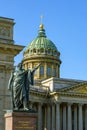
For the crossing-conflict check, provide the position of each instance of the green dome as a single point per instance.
(41, 42)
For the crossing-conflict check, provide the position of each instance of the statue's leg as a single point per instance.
(25, 105)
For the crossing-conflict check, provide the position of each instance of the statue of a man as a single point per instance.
(19, 85)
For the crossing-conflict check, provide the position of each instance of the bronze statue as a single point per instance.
(19, 85)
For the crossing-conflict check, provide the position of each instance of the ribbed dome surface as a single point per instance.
(41, 42)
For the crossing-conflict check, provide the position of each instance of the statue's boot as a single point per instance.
(25, 106)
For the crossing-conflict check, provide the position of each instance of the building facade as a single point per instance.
(8, 50)
(61, 104)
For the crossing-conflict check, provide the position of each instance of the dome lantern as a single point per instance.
(41, 32)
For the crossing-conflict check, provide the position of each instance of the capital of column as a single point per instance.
(59, 102)
(80, 104)
(64, 104)
(75, 105)
(69, 103)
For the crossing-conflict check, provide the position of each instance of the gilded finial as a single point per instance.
(41, 25)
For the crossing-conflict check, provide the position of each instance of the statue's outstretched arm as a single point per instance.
(36, 67)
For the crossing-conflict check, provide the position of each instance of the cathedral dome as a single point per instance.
(41, 44)
(42, 50)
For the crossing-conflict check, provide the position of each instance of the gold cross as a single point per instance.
(41, 18)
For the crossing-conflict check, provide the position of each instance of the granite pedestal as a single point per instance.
(20, 121)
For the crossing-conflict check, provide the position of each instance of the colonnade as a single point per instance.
(62, 116)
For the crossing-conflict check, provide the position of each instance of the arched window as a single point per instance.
(41, 70)
(48, 51)
(34, 51)
(42, 50)
(54, 72)
(49, 71)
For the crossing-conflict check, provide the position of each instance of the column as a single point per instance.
(38, 72)
(53, 116)
(64, 117)
(86, 117)
(48, 117)
(80, 117)
(39, 116)
(26, 66)
(57, 69)
(31, 65)
(52, 67)
(45, 70)
(45, 118)
(57, 116)
(75, 117)
(69, 117)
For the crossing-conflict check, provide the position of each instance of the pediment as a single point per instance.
(79, 88)
(82, 89)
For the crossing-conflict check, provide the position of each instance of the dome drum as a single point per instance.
(41, 51)
(47, 69)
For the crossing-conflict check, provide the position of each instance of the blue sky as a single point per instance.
(65, 22)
